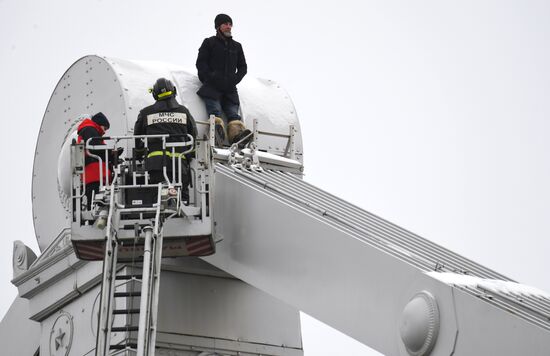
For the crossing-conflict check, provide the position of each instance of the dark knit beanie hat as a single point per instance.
(101, 120)
(221, 19)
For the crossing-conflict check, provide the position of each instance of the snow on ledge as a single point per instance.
(493, 285)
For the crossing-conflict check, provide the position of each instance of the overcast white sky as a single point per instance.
(439, 109)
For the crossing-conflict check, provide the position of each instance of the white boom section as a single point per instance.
(357, 272)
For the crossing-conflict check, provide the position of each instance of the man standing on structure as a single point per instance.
(165, 116)
(221, 66)
(93, 129)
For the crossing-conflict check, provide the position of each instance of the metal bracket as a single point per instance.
(253, 160)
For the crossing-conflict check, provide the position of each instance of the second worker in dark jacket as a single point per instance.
(165, 116)
(90, 131)
(221, 66)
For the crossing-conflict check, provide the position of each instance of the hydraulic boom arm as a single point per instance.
(365, 276)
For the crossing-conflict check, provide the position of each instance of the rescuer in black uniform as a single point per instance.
(221, 66)
(165, 116)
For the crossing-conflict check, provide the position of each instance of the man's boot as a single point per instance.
(236, 131)
(219, 132)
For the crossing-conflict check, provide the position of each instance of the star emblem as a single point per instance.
(59, 339)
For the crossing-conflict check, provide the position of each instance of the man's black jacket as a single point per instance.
(221, 66)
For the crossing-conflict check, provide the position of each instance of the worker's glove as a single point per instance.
(116, 153)
(140, 152)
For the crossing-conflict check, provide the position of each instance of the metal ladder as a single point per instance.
(149, 294)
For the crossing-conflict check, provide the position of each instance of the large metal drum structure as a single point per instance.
(120, 89)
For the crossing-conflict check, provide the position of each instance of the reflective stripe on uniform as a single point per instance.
(162, 95)
(167, 153)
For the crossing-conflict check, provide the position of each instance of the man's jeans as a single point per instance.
(216, 107)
